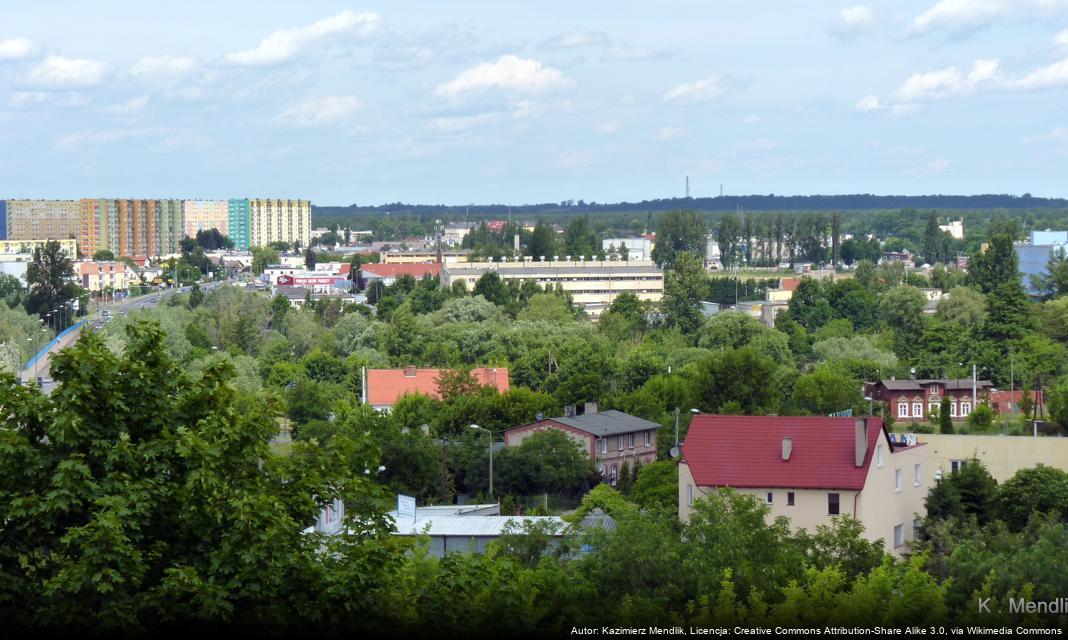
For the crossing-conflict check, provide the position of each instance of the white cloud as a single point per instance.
(162, 66)
(1054, 75)
(318, 112)
(129, 107)
(695, 93)
(574, 160)
(105, 136)
(947, 82)
(285, 44)
(667, 134)
(624, 52)
(510, 73)
(17, 48)
(607, 127)
(755, 147)
(752, 119)
(575, 39)
(1061, 39)
(868, 104)
(939, 165)
(57, 71)
(22, 99)
(958, 15)
(854, 21)
(1058, 136)
(458, 124)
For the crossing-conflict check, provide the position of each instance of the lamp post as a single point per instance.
(488, 433)
(37, 360)
(871, 405)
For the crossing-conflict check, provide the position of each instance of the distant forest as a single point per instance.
(904, 217)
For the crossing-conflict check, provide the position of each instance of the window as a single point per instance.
(604, 445)
(956, 465)
(965, 409)
(953, 408)
(689, 494)
(789, 498)
(917, 409)
(899, 535)
(878, 455)
(917, 475)
(771, 497)
(620, 439)
(897, 480)
(630, 441)
(903, 409)
(832, 504)
(932, 407)
(648, 438)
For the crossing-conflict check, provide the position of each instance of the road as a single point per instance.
(43, 368)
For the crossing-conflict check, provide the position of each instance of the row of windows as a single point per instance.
(917, 409)
(628, 439)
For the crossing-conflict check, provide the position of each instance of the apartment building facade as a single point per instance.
(279, 221)
(237, 223)
(17, 249)
(593, 284)
(42, 219)
(201, 215)
(113, 275)
(810, 470)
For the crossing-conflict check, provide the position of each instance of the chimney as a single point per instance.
(787, 448)
(569, 411)
(591, 407)
(860, 441)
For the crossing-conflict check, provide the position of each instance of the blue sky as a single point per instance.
(508, 102)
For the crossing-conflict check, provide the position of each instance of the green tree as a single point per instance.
(196, 296)
(309, 259)
(728, 232)
(103, 255)
(49, 280)
(547, 461)
(679, 232)
(491, 287)
(262, 257)
(823, 391)
(996, 266)
(657, 486)
(542, 243)
(945, 420)
(808, 306)
(684, 285)
(901, 308)
(737, 377)
(1040, 489)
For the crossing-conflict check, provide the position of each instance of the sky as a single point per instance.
(519, 102)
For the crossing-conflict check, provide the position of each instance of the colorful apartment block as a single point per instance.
(3, 219)
(42, 219)
(237, 223)
(201, 215)
(279, 221)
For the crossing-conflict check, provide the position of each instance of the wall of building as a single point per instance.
(1003, 456)
(237, 223)
(279, 221)
(42, 219)
(882, 507)
(27, 247)
(1034, 260)
(3, 219)
(201, 215)
(515, 437)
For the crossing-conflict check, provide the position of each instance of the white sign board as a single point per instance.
(405, 506)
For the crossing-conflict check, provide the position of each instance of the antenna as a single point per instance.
(687, 187)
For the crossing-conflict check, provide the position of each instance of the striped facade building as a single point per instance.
(279, 221)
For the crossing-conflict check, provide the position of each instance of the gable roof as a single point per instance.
(386, 386)
(395, 270)
(955, 384)
(607, 423)
(746, 452)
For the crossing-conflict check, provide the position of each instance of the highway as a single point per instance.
(43, 367)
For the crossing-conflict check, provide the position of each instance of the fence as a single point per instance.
(55, 341)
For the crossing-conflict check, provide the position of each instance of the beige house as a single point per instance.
(810, 470)
(1002, 456)
(593, 284)
(97, 276)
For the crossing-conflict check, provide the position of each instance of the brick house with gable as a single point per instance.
(913, 400)
(611, 437)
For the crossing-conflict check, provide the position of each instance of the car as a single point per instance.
(106, 314)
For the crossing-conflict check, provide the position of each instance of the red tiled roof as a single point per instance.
(97, 268)
(746, 452)
(345, 269)
(416, 270)
(386, 386)
(789, 284)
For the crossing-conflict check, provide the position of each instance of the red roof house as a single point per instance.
(389, 273)
(383, 387)
(808, 469)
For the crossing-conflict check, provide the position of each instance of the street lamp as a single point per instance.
(475, 426)
(871, 405)
(36, 359)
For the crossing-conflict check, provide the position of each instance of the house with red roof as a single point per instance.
(383, 387)
(389, 272)
(810, 470)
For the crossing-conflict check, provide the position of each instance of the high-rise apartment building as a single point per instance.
(201, 215)
(279, 221)
(3, 219)
(237, 223)
(43, 219)
(169, 225)
(97, 225)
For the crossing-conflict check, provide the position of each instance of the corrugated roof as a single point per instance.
(393, 270)
(746, 452)
(534, 269)
(473, 526)
(608, 423)
(386, 386)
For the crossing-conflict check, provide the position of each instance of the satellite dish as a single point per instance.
(674, 452)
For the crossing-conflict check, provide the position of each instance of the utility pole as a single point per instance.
(974, 395)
